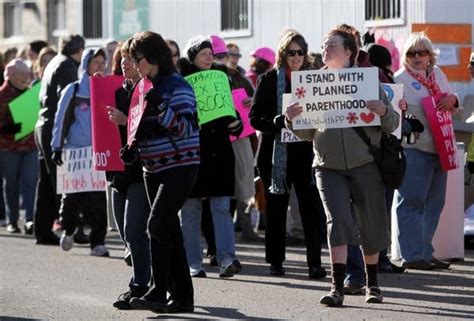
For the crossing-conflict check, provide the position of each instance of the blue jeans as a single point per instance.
(418, 204)
(20, 172)
(355, 268)
(131, 212)
(223, 229)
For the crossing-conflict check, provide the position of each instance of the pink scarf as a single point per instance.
(429, 82)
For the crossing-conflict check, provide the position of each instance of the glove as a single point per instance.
(470, 167)
(235, 127)
(11, 128)
(128, 154)
(279, 121)
(154, 99)
(58, 157)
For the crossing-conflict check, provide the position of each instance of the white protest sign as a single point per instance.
(286, 135)
(335, 98)
(394, 93)
(77, 173)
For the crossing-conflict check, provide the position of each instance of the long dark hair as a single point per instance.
(154, 49)
(288, 37)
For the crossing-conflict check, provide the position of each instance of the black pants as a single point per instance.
(311, 210)
(167, 191)
(93, 205)
(46, 200)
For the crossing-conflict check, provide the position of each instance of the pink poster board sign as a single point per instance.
(239, 95)
(106, 142)
(441, 125)
(137, 108)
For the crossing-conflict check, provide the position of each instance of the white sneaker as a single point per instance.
(66, 241)
(100, 250)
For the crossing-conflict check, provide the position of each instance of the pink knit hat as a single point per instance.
(218, 45)
(264, 53)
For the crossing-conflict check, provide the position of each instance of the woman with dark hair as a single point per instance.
(175, 52)
(282, 165)
(167, 142)
(348, 179)
(129, 202)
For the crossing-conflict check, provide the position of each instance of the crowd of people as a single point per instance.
(184, 180)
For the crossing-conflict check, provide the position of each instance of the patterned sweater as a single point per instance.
(168, 134)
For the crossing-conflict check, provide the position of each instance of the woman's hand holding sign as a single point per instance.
(293, 111)
(377, 107)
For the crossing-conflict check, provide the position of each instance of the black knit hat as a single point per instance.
(197, 44)
(379, 56)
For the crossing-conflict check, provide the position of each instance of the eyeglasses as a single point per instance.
(234, 54)
(220, 56)
(292, 53)
(420, 53)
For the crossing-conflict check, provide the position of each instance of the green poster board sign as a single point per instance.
(213, 95)
(25, 109)
(130, 16)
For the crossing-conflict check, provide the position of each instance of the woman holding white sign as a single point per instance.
(349, 180)
(418, 202)
(282, 165)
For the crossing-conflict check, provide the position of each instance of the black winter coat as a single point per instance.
(216, 170)
(263, 111)
(60, 72)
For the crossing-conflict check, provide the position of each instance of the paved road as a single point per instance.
(42, 282)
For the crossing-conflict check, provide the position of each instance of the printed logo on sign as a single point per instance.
(367, 118)
(388, 91)
(416, 85)
(352, 118)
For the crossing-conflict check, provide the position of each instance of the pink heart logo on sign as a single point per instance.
(367, 118)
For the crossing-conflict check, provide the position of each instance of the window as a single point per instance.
(384, 12)
(235, 17)
(92, 18)
(12, 19)
(57, 17)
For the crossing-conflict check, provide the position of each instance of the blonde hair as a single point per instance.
(418, 38)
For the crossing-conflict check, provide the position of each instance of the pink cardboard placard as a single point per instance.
(137, 108)
(106, 142)
(442, 130)
(239, 95)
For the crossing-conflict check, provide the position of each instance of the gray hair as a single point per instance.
(422, 39)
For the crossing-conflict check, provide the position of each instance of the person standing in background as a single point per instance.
(61, 71)
(18, 158)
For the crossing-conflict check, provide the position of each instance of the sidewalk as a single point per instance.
(42, 282)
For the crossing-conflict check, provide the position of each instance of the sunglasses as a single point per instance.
(292, 53)
(220, 56)
(236, 55)
(420, 53)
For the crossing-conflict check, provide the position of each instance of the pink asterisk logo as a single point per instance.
(300, 92)
(352, 118)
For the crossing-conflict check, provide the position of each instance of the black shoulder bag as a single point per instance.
(389, 157)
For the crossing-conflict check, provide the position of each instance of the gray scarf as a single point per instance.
(279, 157)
